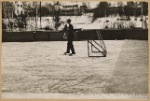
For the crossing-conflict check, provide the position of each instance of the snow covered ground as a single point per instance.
(84, 22)
(41, 69)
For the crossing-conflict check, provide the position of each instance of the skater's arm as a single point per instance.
(64, 31)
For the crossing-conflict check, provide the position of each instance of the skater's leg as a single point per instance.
(72, 48)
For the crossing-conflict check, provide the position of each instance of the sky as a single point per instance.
(93, 4)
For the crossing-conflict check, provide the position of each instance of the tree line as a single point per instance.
(103, 9)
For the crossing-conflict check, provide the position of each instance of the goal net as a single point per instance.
(97, 48)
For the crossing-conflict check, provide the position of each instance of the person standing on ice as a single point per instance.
(68, 29)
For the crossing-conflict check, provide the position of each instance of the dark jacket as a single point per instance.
(69, 31)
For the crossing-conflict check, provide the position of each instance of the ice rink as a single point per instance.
(41, 68)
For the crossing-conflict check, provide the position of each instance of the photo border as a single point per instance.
(74, 99)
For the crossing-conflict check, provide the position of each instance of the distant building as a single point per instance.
(70, 9)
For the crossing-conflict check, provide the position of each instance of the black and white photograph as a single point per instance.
(75, 50)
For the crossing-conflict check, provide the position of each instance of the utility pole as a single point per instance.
(56, 14)
(7, 6)
(35, 10)
(142, 15)
(135, 11)
(40, 16)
